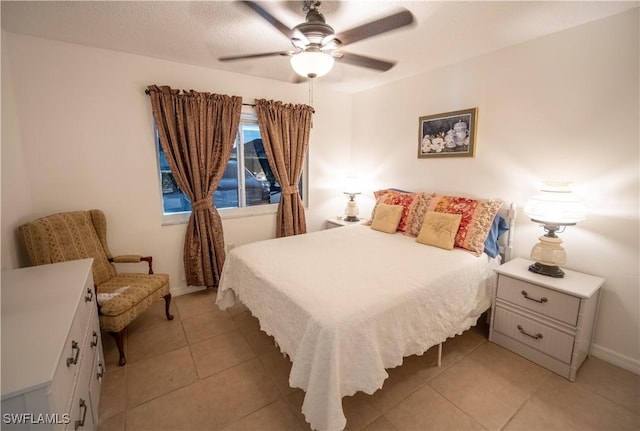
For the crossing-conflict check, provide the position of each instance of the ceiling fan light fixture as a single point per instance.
(316, 44)
(312, 64)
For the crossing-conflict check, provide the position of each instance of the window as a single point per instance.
(248, 180)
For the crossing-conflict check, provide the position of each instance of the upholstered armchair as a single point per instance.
(83, 234)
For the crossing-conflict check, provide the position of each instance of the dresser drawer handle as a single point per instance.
(538, 336)
(94, 342)
(74, 360)
(100, 374)
(78, 424)
(526, 296)
(89, 296)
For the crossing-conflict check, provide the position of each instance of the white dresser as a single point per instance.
(52, 363)
(547, 320)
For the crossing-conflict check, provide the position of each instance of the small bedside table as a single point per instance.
(549, 321)
(334, 222)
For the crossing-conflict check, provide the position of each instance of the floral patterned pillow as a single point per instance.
(477, 217)
(417, 212)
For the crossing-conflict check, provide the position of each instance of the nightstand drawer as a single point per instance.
(545, 301)
(534, 334)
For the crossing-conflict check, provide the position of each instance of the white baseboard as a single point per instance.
(615, 358)
(185, 290)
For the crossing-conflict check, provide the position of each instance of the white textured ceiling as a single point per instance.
(198, 32)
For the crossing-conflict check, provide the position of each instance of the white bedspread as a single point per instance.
(346, 303)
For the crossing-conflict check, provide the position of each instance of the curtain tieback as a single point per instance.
(289, 190)
(202, 204)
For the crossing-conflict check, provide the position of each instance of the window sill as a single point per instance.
(225, 214)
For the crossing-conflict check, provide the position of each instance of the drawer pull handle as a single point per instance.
(74, 360)
(538, 336)
(94, 342)
(89, 296)
(78, 424)
(526, 296)
(100, 374)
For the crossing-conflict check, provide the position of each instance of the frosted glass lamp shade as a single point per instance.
(311, 64)
(555, 204)
(352, 185)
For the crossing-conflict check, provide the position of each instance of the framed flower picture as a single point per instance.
(452, 134)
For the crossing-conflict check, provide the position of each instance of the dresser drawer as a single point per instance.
(97, 373)
(80, 414)
(545, 301)
(74, 348)
(534, 334)
(81, 406)
(97, 369)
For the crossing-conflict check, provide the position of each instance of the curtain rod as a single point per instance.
(146, 91)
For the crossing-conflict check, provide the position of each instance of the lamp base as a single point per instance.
(549, 270)
(351, 211)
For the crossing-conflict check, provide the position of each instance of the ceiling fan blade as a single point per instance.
(362, 61)
(248, 56)
(270, 19)
(376, 27)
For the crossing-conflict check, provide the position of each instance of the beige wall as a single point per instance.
(560, 107)
(77, 134)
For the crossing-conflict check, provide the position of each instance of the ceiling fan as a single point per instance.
(316, 45)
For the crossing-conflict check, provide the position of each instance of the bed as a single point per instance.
(345, 304)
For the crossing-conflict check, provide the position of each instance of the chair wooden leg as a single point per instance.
(119, 338)
(167, 303)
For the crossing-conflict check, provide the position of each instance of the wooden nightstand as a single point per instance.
(549, 321)
(334, 222)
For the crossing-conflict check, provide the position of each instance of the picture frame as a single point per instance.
(450, 134)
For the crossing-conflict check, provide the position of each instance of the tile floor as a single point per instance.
(215, 370)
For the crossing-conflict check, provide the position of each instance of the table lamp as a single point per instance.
(352, 189)
(554, 208)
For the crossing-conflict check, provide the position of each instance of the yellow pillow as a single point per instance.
(387, 218)
(439, 229)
